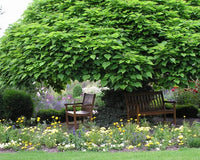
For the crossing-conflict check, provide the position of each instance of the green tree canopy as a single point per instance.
(123, 43)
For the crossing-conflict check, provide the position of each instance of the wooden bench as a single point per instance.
(148, 103)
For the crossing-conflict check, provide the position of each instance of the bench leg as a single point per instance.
(164, 118)
(138, 119)
(75, 123)
(175, 119)
(67, 121)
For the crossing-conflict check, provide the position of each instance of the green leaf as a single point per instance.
(138, 76)
(104, 83)
(97, 76)
(108, 56)
(149, 74)
(93, 57)
(137, 67)
(138, 84)
(86, 77)
(61, 77)
(123, 87)
(177, 81)
(105, 64)
(36, 75)
(173, 60)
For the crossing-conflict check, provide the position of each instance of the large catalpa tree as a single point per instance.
(124, 43)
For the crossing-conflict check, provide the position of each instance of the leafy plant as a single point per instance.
(17, 103)
(77, 91)
(194, 142)
(125, 44)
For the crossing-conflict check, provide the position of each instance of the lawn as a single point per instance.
(181, 154)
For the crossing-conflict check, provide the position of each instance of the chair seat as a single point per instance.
(79, 113)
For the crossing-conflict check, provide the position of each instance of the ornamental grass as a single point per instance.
(122, 135)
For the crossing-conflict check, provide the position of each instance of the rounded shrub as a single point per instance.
(2, 107)
(77, 91)
(17, 103)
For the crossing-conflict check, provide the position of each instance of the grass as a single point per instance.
(181, 154)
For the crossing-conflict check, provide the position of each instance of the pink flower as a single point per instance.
(173, 89)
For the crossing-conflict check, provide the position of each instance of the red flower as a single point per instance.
(173, 89)
(195, 91)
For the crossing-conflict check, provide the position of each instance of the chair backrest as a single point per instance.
(145, 101)
(88, 102)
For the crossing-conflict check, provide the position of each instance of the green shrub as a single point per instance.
(194, 142)
(188, 110)
(17, 103)
(2, 107)
(46, 114)
(77, 91)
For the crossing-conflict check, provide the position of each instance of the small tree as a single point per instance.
(124, 43)
(77, 91)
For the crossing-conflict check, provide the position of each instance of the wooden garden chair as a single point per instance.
(86, 109)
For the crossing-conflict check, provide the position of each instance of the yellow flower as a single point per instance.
(148, 137)
(53, 117)
(121, 120)
(180, 137)
(184, 116)
(161, 129)
(139, 115)
(38, 119)
(131, 119)
(158, 143)
(139, 144)
(56, 118)
(130, 147)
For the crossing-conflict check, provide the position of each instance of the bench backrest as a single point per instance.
(88, 102)
(145, 101)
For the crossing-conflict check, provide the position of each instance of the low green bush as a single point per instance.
(194, 142)
(187, 110)
(17, 103)
(46, 114)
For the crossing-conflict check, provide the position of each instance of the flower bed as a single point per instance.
(120, 136)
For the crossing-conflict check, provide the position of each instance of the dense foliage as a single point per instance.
(123, 43)
(16, 103)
